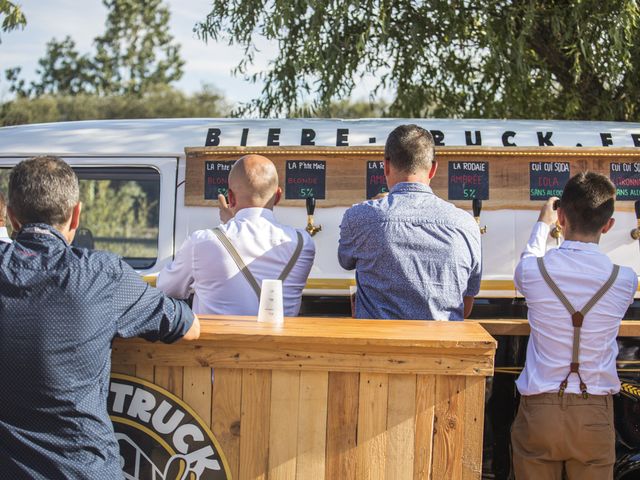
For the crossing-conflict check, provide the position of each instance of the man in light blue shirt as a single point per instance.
(416, 256)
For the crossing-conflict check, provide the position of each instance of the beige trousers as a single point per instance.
(552, 432)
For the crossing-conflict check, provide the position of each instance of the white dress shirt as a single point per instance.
(203, 266)
(4, 235)
(579, 269)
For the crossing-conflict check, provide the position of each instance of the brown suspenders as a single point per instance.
(226, 243)
(577, 317)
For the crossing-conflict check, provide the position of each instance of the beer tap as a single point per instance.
(635, 233)
(477, 208)
(311, 207)
(556, 231)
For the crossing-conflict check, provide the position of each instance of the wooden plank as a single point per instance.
(312, 425)
(342, 425)
(425, 416)
(145, 371)
(256, 354)
(124, 369)
(197, 391)
(254, 424)
(169, 378)
(401, 426)
(344, 179)
(346, 170)
(226, 399)
(473, 428)
(520, 327)
(448, 427)
(283, 428)
(346, 331)
(372, 426)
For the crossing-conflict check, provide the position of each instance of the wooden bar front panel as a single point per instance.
(288, 421)
(276, 424)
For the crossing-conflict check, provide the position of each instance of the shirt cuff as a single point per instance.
(537, 244)
(183, 320)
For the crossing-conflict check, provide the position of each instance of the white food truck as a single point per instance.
(133, 176)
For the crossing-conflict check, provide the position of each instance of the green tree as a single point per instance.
(484, 58)
(62, 71)
(160, 101)
(136, 50)
(344, 109)
(135, 54)
(12, 16)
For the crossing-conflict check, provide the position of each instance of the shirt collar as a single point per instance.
(255, 212)
(40, 229)
(411, 187)
(583, 246)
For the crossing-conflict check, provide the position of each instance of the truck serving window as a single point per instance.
(120, 211)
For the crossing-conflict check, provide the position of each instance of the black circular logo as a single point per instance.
(161, 437)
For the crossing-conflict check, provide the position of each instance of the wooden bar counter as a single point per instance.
(334, 399)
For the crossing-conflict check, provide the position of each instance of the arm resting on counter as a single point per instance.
(194, 332)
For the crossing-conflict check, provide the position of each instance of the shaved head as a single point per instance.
(253, 181)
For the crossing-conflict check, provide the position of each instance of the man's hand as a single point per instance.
(226, 213)
(547, 214)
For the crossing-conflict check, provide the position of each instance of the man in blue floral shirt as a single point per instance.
(416, 256)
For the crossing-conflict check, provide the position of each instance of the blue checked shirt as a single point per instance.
(415, 255)
(60, 308)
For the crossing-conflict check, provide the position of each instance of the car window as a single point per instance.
(120, 211)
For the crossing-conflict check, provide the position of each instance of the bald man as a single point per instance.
(224, 267)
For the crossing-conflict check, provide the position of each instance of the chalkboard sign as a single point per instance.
(626, 178)
(468, 180)
(305, 178)
(216, 178)
(376, 181)
(547, 179)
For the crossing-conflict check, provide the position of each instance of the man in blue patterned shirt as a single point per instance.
(60, 309)
(416, 256)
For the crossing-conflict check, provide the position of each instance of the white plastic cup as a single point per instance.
(271, 308)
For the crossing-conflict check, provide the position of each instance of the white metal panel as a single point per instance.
(159, 137)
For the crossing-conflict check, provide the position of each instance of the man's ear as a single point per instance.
(562, 218)
(232, 198)
(278, 196)
(386, 167)
(609, 225)
(75, 216)
(433, 169)
(15, 224)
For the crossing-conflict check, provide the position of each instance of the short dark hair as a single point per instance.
(410, 148)
(588, 201)
(43, 190)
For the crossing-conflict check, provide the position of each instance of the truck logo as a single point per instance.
(161, 437)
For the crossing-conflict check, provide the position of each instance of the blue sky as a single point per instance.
(84, 19)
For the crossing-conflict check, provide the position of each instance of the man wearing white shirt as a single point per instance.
(576, 299)
(4, 234)
(224, 267)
